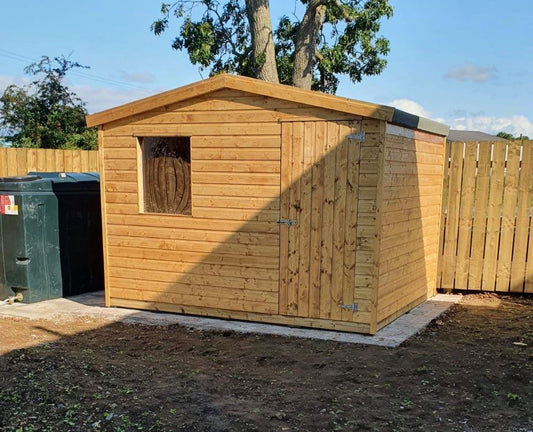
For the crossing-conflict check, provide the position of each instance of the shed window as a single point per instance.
(166, 169)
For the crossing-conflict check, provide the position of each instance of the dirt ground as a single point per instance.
(471, 370)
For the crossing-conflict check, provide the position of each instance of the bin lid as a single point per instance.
(52, 182)
(68, 177)
(19, 179)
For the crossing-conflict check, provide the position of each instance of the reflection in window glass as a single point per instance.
(167, 174)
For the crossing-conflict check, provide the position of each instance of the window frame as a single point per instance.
(140, 143)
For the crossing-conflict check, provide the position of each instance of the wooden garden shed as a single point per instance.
(236, 198)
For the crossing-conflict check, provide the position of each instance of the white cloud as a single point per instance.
(99, 99)
(470, 72)
(410, 106)
(515, 124)
(6, 81)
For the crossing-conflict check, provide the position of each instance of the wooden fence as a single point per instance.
(19, 161)
(487, 226)
(487, 231)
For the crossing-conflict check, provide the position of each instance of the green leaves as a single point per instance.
(352, 46)
(216, 35)
(46, 113)
(199, 39)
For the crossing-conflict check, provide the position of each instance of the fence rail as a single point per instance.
(19, 161)
(487, 231)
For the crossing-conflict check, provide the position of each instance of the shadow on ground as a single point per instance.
(470, 370)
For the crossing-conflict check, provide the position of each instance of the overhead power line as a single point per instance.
(86, 75)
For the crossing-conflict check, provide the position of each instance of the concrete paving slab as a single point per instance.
(92, 304)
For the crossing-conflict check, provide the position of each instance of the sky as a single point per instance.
(466, 63)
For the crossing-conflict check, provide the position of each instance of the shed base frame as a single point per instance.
(243, 316)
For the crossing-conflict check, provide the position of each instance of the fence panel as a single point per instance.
(488, 218)
(20, 161)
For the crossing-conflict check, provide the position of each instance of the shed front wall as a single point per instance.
(411, 197)
(224, 259)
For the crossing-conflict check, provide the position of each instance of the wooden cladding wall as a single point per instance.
(20, 161)
(488, 217)
(410, 205)
(225, 256)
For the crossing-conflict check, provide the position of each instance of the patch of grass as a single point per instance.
(513, 397)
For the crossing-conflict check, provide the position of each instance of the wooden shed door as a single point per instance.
(318, 217)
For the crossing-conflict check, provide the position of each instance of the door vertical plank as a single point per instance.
(286, 151)
(294, 214)
(327, 220)
(317, 188)
(304, 221)
(339, 216)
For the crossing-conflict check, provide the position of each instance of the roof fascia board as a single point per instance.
(152, 102)
(312, 98)
(249, 85)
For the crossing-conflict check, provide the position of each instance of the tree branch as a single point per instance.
(306, 43)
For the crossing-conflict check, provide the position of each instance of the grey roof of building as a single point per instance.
(465, 135)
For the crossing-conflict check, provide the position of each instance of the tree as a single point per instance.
(511, 137)
(332, 38)
(505, 135)
(46, 113)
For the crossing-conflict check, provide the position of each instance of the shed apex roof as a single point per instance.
(263, 88)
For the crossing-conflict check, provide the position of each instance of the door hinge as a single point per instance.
(287, 222)
(351, 307)
(357, 136)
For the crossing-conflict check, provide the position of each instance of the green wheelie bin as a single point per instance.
(50, 235)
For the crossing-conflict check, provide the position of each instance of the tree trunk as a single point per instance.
(305, 44)
(258, 12)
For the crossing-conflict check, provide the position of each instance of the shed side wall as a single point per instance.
(410, 219)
